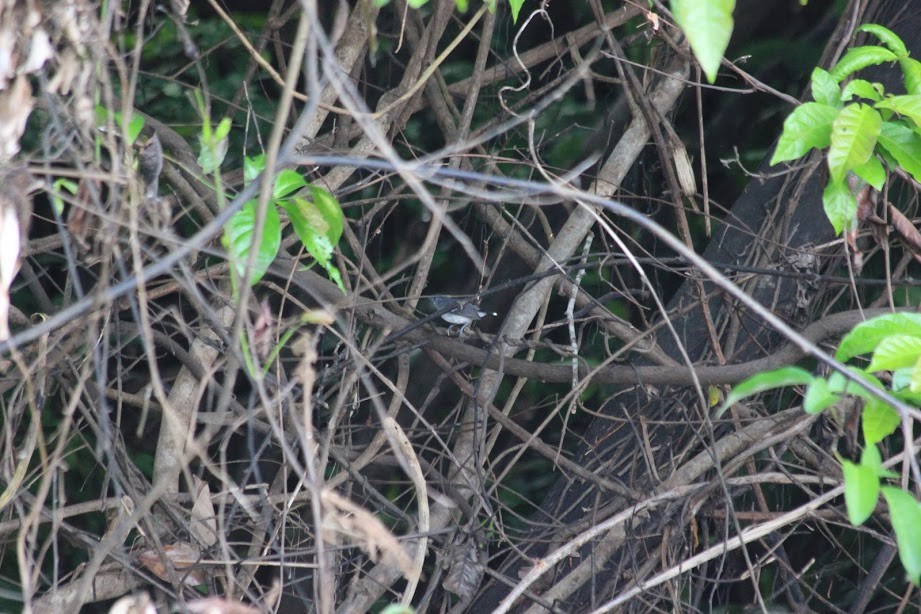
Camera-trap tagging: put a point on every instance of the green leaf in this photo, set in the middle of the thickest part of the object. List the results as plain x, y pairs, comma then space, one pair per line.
904, 145
840, 205
708, 26
915, 382
515, 5
853, 137
223, 129
239, 239
808, 126
135, 124
330, 211
825, 90
212, 153
252, 167
906, 521
837, 382
315, 229
908, 105
818, 396
872, 172
288, 181
888, 38
762, 382
867, 335
911, 71
62, 184
858, 58
861, 491
863, 89
871, 458
895, 352
878, 421
134, 128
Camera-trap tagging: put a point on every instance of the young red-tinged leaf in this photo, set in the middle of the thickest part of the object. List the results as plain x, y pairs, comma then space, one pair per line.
905, 512
878, 421
239, 240
866, 336
858, 58
840, 205
853, 137
808, 126
708, 26
861, 491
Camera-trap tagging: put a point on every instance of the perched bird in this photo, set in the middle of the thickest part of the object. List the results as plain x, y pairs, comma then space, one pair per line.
460, 312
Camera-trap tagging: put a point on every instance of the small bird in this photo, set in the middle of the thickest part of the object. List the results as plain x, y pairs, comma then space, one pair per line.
463, 313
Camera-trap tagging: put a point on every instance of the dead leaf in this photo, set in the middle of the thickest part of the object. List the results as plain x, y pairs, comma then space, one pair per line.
345, 522
15, 107
903, 226
204, 521
182, 556
264, 330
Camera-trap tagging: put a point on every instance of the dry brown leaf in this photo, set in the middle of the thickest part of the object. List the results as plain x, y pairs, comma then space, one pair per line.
344, 522
15, 106
906, 230
264, 330
466, 564
182, 556
204, 520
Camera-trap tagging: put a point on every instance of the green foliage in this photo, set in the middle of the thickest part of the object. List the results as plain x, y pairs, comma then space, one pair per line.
133, 126
708, 26
906, 521
858, 134
861, 490
894, 342
240, 240
62, 184
318, 222
213, 143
